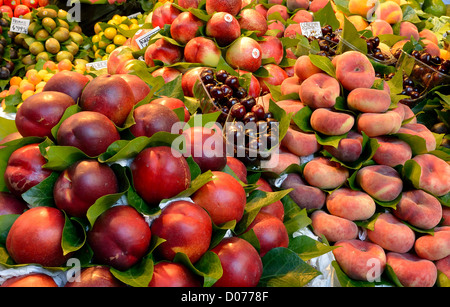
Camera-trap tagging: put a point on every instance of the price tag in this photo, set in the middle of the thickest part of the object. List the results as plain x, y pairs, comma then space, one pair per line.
311, 29
19, 25
143, 40
134, 15
98, 65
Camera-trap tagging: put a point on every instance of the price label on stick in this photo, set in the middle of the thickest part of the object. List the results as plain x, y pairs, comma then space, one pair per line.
311, 29
143, 40
19, 25
98, 65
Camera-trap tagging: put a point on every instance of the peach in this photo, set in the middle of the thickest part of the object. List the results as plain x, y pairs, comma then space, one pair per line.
277, 208
361, 8
333, 228
261, 9
244, 53
391, 234
164, 15
304, 195
278, 28
406, 112
189, 79
419, 208
331, 122
188, 3
369, 100
379, 27
443, 265
292, 5
292, 30
319, 91
316, 5
290, 85
185, 27
434, 247
434, 174
163, 51
302, 16
354, 70
429, 35
360, 260
350, 204
167, 73
431, 48
254, 89
358, 22
252, 20
349, 148
445, 216
325, 174
382, 182
228, 6
203, 51
278, 8
300, 143
389, 11
288, 105
277, 76
224, 27
304, 68
408, 29
411, 270
392, 151
378, 124
280, 160
272, 47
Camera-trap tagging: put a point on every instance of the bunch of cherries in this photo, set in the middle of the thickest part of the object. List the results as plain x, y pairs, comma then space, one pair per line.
248, 124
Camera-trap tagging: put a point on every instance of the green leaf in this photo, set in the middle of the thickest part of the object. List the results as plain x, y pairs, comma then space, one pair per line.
302, 119
326, 16
295, 218
345, 281
138, 275
255, 201
7, 126
6, 221
42, 193
351, 39
72, 239
61, 157
284, 268
308, 248
208, 266
283, 118
324, 63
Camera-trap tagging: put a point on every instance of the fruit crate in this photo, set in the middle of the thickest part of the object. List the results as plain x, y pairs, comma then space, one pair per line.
250, 132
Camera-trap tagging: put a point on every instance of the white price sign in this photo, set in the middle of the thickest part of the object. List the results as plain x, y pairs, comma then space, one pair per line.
143, 40
98, 65
134, 15
19, 25
311, 29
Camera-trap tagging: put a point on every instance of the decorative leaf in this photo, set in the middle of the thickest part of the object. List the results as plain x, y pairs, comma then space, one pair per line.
308, 248
138, 275
42, 193
284, 268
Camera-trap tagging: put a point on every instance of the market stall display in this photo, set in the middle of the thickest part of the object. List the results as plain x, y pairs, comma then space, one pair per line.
228, 143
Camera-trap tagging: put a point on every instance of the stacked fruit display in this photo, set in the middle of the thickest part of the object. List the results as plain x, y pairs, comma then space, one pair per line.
51, 36
108, 36
362, 171
19, 8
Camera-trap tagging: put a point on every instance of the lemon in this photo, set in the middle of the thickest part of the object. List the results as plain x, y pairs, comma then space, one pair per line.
97, 28
95, 38
110, 33
119, 40
124, 26
110, 48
